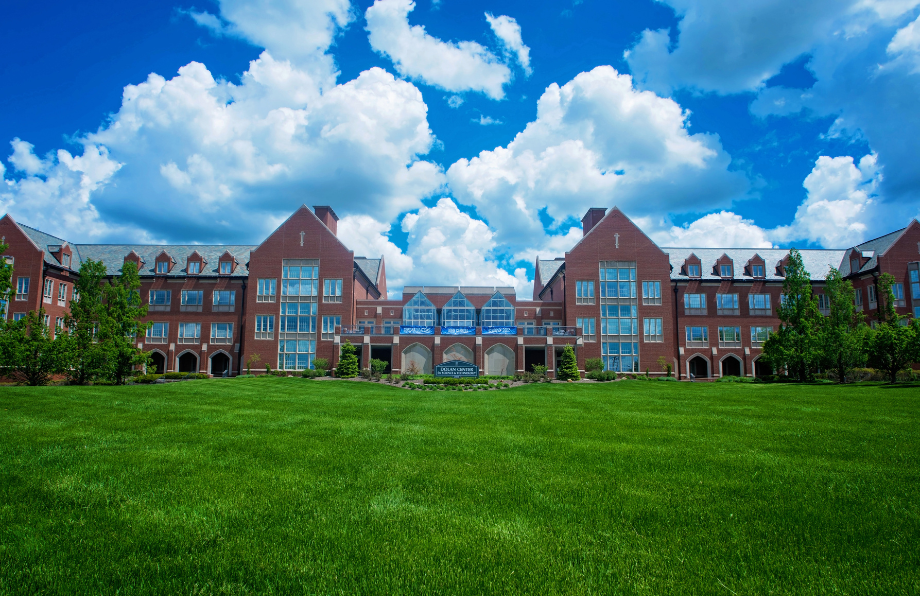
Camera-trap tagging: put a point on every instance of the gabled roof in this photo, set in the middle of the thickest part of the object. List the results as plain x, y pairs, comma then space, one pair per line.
49, 244
817, 262
876, 246
549, 268
369, 267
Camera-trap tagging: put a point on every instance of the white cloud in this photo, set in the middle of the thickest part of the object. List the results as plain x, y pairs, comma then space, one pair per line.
448, 247
455, 101
213, 161
209, 21
55, 194
716, 230
596, 141
730, 47
509, 32
368, 237
460, 66
486, 120
837, 208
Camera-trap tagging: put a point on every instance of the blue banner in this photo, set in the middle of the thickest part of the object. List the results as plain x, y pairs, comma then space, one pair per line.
499, 330
458, 331
404, 330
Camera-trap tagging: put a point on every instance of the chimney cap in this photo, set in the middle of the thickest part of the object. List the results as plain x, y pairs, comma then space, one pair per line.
593, 211
326, 208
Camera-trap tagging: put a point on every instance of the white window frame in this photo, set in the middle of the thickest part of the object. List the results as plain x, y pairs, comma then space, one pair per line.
224, 329
49, 290
265, 327
162, 267
221, 306
756, 342
722, 269
159, 306
65, 260
873, 295
758, 271
226, 267
733, 343
163, 337
588, 328
22, 288
651, 292
694, 270
329, 324
584, 291
62, 294
731, 309
188, 339
652, 330
766, 309
703, 342
699, 309
196, 265
332, 290
266, 289
897, 291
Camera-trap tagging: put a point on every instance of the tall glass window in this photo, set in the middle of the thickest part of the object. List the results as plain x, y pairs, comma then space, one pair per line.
497, 312
294, 354
419, 312
298, 317
458, 312
299, 281
619, 315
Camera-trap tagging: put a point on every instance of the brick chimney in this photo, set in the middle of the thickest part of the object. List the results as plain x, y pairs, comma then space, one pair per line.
327, 216
591, 219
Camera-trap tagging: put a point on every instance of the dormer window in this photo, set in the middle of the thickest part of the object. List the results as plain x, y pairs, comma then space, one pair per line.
725, 270
854, 266
226, 267
65, 260
162, 267
757, 271
194, 267
693, 270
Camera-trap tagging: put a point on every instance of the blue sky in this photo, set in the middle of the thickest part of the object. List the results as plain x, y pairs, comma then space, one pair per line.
463, 139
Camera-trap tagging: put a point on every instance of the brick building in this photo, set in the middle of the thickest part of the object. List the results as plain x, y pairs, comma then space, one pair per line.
301, 293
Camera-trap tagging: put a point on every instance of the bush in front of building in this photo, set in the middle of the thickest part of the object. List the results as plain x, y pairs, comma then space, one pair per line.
145, 379
602, 375
568, 370
181, 376
594, 364
348, 362
312, 374
321, 365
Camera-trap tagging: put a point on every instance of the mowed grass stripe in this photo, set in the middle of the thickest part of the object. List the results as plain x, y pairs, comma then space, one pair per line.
275, 485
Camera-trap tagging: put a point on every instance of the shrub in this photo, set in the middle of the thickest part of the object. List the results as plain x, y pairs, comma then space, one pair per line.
312, 374
568, 370
322, 365
539, 370
594, 364
246, 376
733, 379
377, 367
151, 378
602, 375
181, 376
666, 379
348, 362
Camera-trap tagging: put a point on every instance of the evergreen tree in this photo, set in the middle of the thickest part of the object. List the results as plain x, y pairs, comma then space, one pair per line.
568, 368
27, 352
893, 345
794, 347
348, 362
843, 335
88, 358
121, 324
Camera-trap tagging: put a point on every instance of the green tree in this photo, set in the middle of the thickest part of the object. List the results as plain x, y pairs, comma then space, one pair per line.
894, 344
795, 346
6, 284
348, 362
377, 367
121, 324
843, 334
568, 368
88, 358
28, 353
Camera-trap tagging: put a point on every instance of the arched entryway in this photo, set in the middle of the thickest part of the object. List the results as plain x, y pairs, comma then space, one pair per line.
698, 367
188, 362
458, 352
416, 359
157, 363
499, 360
220, 364
732, 366
761, 368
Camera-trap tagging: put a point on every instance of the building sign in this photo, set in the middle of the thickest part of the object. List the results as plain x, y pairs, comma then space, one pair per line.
458, 331
499, 330
412, 330
456, 368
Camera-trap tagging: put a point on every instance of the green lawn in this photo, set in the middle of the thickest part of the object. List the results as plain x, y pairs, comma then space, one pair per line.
275, 485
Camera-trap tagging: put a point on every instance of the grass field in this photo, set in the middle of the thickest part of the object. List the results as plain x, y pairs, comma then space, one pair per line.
286, 486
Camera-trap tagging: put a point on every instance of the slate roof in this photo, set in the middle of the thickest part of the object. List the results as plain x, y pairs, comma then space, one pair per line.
876, 246
49, 243
113, 255
370, 268
549, 268
817, 261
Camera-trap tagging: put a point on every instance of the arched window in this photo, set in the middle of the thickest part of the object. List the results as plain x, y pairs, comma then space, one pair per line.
458, 312
419, 312
497, 312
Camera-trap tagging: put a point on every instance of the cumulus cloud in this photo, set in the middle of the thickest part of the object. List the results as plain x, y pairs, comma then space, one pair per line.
716, 230
486, 120
730, 47
509, 32
55, 192
455, 101
460, 66
299, 32
449, 247
837, 207
596, 141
